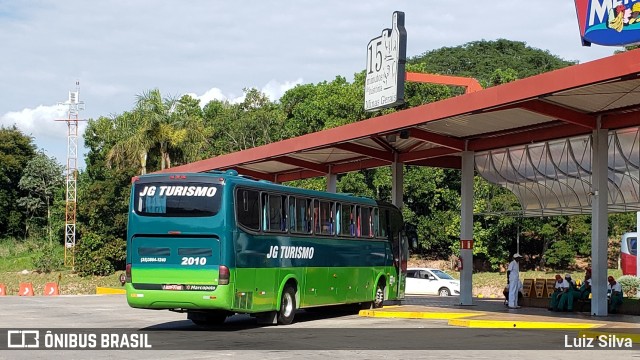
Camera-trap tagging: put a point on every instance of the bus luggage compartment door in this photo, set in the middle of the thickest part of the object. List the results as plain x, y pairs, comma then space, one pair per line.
162, 262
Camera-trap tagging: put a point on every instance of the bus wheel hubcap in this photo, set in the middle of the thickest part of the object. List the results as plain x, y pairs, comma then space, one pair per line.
379, 296
287, 305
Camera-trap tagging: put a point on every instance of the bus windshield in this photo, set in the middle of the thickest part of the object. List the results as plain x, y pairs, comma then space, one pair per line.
192, 199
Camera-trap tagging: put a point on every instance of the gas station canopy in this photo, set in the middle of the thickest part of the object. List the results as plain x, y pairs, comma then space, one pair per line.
554, 177
532, 136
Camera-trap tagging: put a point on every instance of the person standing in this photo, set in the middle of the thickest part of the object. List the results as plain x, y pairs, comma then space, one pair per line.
513, 280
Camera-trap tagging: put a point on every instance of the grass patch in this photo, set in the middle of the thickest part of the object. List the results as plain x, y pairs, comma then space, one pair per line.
16, 256
68, 282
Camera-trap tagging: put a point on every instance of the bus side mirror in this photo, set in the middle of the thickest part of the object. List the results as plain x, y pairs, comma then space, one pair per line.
412, 235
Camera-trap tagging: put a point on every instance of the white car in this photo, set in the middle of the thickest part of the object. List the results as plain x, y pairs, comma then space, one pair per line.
432, 282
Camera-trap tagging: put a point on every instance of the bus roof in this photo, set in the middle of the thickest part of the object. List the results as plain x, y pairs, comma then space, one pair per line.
232, 176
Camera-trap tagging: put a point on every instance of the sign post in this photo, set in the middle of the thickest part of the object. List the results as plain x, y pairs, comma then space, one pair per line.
386, 58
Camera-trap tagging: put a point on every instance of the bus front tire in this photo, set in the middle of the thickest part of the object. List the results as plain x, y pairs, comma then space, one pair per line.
287, 306
378, 299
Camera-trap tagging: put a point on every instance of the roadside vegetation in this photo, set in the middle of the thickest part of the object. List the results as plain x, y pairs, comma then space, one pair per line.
160, 131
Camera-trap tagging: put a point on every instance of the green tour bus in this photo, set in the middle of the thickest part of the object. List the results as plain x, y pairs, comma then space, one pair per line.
217, 243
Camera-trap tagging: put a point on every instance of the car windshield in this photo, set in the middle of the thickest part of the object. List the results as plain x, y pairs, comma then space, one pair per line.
442, 275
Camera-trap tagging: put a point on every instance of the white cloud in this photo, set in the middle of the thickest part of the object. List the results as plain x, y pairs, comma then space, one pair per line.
46, 125
273, 90
38, 122
209, 95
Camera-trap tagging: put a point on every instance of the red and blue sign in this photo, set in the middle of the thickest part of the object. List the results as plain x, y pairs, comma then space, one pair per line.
609, 22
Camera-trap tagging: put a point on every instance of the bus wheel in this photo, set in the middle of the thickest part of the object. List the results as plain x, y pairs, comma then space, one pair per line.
379, 298
208, 318
287, 306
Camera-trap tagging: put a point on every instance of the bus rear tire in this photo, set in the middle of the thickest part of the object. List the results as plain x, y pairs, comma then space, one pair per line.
287, 306
207, 318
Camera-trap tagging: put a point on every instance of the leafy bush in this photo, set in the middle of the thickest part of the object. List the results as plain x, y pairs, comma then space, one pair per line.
99, 255
560, 255
48, 258
630, 285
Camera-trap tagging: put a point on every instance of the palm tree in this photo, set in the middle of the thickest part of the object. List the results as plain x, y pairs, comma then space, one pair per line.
161, 123
130, 142
170, 125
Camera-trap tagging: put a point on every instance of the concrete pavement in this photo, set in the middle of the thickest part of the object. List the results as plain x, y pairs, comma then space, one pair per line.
490, 313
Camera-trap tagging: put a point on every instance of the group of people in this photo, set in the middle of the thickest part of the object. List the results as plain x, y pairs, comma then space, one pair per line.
566, 290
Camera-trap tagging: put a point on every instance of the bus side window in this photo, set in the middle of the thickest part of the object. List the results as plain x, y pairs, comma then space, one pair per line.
283, 212
293, 202
274, 209
365, 221
309, 217
339, 220
358, 220
376, 222
327, 226
316, 217
248, 208
265, 212
302, 216
384, 223
346, 220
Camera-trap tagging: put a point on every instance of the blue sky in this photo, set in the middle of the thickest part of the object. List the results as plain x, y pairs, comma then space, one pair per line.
214, 48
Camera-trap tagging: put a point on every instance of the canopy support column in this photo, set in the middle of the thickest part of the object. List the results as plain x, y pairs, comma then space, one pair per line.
599, 224
397, 177
466, 229
332, 179
637, 257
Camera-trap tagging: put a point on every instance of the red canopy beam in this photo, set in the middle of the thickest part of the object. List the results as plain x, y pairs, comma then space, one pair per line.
322, 169
366, 151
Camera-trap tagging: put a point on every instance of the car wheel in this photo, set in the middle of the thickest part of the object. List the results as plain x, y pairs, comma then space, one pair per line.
444, 292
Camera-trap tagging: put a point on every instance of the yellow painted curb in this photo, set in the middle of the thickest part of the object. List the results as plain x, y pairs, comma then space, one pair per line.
415, 314
504, 324
109, 291
635, 337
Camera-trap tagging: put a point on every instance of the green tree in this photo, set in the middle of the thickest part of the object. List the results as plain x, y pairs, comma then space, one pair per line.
253, 122
16, 149
480, 59
128, 139
171, 127
159, 123
41, 179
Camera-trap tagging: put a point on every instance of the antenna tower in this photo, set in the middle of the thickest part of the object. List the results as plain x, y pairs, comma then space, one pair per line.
74, 105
